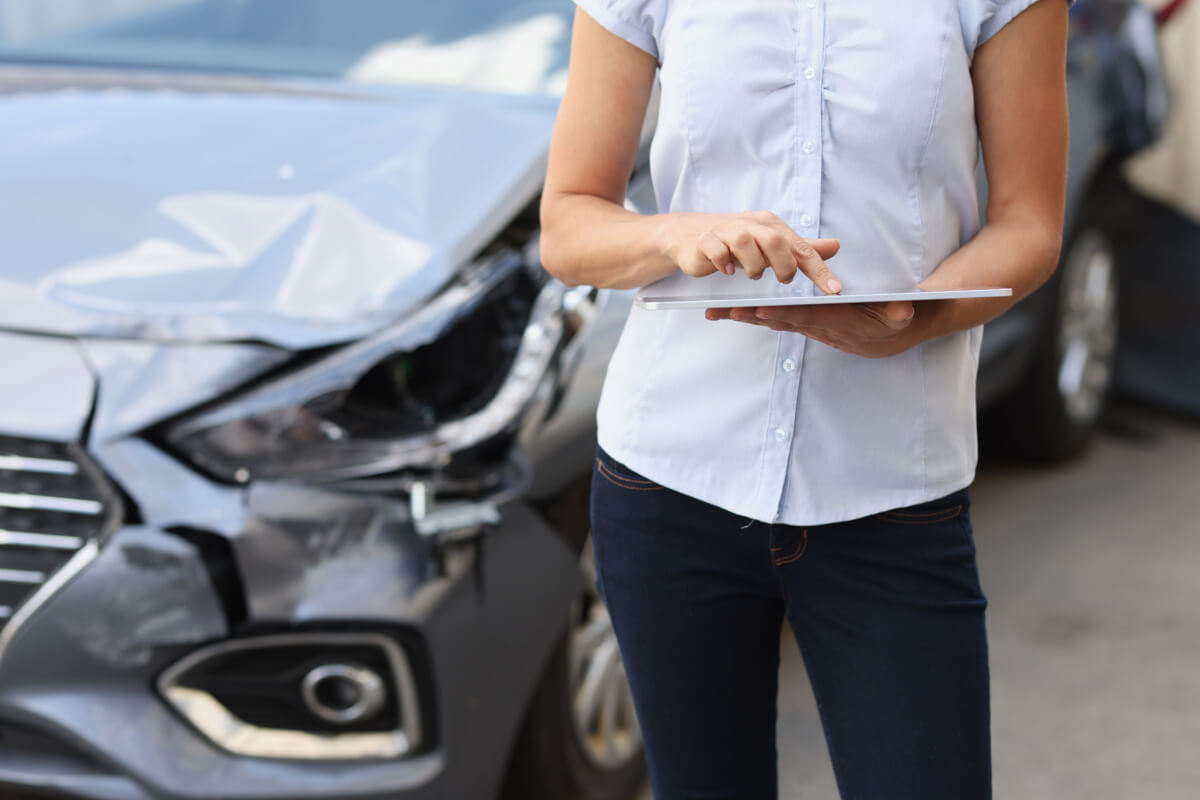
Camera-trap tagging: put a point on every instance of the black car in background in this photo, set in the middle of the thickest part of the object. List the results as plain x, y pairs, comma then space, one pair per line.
1047, 366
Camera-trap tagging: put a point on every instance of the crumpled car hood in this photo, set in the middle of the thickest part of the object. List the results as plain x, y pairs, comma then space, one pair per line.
186, 211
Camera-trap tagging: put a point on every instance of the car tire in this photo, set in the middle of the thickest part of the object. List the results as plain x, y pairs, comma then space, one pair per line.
1052, 415
553, 759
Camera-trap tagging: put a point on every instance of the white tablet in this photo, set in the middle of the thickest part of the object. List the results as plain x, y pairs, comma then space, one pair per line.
732, 291
660, 302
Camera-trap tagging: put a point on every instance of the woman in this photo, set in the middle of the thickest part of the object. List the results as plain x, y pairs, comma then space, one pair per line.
811, 462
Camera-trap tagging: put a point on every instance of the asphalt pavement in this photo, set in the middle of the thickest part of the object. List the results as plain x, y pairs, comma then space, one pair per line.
1091, 571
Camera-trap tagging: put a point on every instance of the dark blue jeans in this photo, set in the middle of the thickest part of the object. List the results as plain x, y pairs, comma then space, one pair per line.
887, 611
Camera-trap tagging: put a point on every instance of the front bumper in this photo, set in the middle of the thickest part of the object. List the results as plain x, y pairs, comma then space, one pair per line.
81, 671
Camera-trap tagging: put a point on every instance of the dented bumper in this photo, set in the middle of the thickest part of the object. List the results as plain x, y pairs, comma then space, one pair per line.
82, 671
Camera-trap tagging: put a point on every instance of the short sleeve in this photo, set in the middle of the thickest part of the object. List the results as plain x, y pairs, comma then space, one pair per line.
638, 22
998, 13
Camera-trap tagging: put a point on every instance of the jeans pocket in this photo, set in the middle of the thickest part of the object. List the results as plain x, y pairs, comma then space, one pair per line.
622, 476
951, 507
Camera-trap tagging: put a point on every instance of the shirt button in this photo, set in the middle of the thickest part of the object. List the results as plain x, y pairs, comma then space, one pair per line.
789, 365
797, 290
808, 146
810, 73
780, 435
811, 3
807, 220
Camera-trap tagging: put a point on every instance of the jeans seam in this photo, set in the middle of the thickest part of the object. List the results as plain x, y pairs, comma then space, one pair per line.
796, 554
779, 578
622, 482
622, 476
929, 518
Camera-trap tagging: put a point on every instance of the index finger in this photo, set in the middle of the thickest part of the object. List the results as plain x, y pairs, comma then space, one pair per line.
810, 262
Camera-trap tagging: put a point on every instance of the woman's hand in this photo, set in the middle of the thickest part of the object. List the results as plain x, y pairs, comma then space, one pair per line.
702, 244
871, 330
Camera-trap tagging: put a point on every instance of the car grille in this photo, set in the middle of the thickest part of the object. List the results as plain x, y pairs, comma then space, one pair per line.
53, 502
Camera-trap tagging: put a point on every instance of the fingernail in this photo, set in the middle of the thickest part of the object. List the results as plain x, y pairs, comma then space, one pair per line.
756, 277
835, 286
729, 269
761, 314
788, 280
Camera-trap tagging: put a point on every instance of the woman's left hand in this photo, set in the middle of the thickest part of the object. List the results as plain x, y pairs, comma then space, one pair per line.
871, 330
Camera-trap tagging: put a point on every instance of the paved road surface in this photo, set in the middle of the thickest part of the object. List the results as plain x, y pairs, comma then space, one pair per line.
1093, 575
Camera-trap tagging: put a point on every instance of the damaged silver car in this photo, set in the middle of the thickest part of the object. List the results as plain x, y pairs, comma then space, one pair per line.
295, 432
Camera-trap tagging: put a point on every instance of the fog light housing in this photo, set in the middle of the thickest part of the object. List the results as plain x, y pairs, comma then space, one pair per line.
324, 696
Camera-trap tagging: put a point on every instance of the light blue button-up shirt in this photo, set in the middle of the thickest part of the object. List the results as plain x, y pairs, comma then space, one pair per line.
853, 120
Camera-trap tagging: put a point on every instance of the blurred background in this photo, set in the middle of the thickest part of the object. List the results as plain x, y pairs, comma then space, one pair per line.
296, 434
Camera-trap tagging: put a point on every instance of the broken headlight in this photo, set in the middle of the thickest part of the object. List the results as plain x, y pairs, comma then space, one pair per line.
456, 374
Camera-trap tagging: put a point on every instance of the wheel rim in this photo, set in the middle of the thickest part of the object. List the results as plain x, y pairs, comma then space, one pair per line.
605, 722
1088, 327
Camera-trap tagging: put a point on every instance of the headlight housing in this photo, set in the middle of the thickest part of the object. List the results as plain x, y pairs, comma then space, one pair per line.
454, 375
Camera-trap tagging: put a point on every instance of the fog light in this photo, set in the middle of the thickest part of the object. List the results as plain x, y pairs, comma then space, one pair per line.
343, 694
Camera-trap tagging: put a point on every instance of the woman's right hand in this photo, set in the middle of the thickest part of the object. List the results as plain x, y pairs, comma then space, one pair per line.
701, 244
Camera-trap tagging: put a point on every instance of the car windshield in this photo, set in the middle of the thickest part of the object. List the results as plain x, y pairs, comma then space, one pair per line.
516, 46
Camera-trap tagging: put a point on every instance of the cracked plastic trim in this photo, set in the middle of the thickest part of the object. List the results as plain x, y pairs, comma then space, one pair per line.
343, 369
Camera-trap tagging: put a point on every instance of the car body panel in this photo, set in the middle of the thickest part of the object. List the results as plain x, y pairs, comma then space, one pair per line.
146, 382
47, 386
299, 219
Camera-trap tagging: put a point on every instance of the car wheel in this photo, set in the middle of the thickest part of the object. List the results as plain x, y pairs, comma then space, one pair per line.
1053, 415
581, 739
